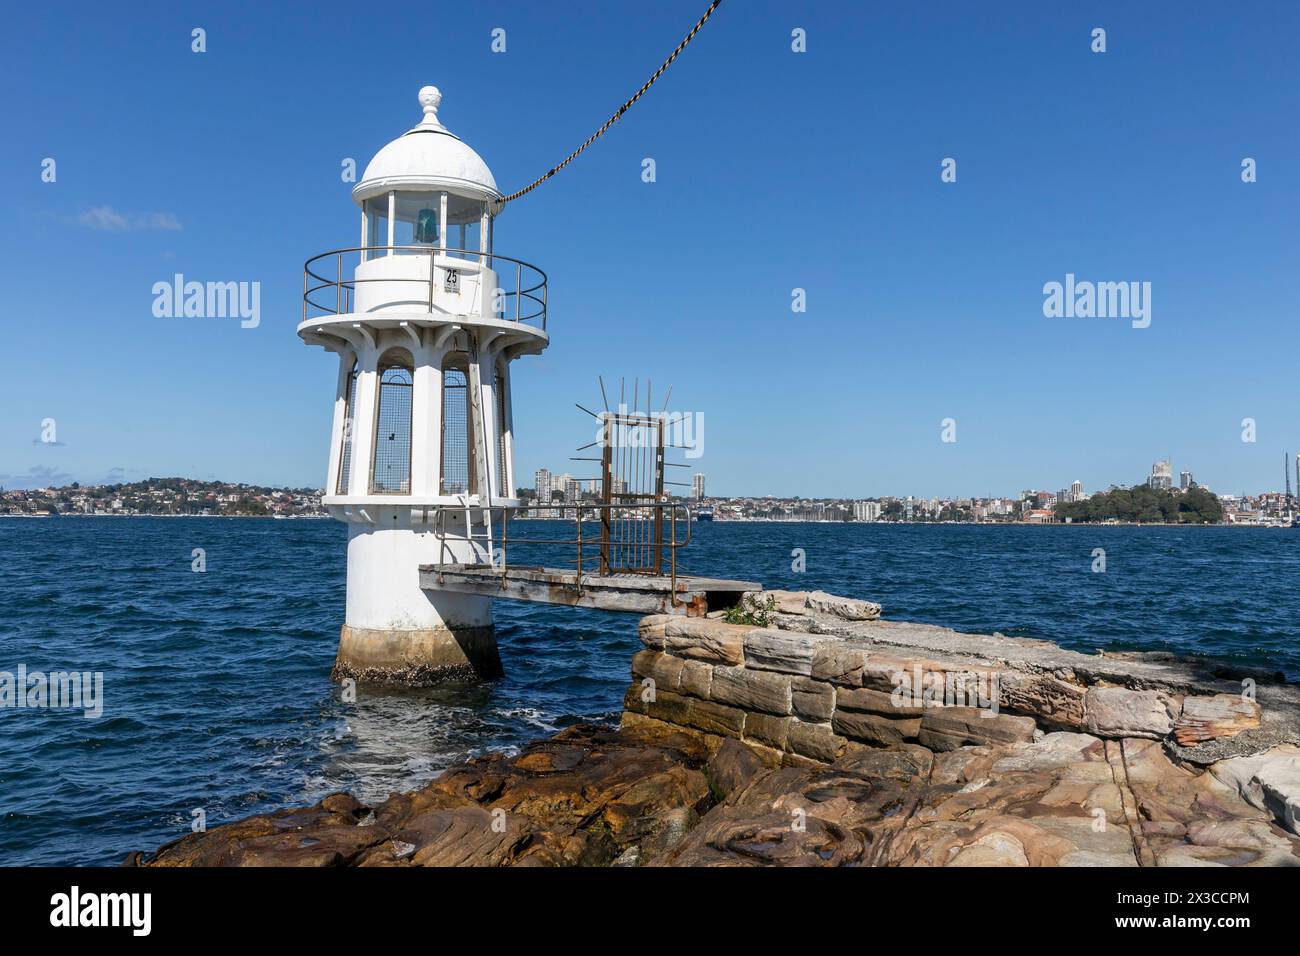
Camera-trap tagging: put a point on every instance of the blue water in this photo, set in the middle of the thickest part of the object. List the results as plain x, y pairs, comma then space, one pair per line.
216, 685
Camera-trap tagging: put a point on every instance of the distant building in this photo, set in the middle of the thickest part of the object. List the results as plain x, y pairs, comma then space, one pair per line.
1162, 476
1076, 491
543, 482
866, 510
1185, 480
697, 486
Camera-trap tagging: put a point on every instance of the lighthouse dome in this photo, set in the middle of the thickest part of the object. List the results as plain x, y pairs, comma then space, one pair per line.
428, 157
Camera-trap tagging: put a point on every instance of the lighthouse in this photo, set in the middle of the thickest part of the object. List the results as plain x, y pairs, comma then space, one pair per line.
425, 317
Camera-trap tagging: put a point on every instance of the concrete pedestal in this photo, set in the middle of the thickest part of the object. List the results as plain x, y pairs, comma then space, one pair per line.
417, 658
397, 633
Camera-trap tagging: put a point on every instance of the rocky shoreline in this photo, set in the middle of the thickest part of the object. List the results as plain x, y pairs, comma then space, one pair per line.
820, 735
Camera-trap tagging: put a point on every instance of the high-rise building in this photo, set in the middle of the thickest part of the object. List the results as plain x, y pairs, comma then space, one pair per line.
1162, 476
697, 486
1185, 480
1076, 491
543, 484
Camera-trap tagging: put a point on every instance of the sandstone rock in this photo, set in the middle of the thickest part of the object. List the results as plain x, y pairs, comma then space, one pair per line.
592, 796
653, 630
1269, 781
751, 690
466, 836
661, 705
695, 746
628, 858
947, 728
873, 728
767, 729
909, 764
737, 836
930, 682
664, 669
1052, 752
705, 640
848, 609
715, 718
813, 700
814, 741
838, 664
1052, 701
1222, 715
787, 602
1221, 828
696, 679
1120, 712
789, 652
959, 767
733, 766
658, 809
875, 702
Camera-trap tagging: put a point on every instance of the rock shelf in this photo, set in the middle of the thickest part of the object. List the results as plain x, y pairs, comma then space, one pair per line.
828, 736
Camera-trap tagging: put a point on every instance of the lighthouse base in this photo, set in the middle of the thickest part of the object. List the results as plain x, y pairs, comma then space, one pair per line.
417, 658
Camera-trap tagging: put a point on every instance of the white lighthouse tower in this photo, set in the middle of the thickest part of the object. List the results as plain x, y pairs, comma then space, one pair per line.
426, 318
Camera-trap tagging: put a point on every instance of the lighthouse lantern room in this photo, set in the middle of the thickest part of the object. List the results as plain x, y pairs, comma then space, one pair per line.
426, 318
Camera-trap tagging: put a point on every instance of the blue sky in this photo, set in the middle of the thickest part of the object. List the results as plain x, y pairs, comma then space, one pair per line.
775, 170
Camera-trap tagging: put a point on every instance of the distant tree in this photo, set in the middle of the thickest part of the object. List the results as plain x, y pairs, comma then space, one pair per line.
1145, 506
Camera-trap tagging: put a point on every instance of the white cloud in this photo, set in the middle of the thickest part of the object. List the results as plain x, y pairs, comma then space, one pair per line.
109, 219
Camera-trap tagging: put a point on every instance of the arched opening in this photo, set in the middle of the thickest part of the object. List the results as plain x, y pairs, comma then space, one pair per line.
457, 472
391, 474
349, 410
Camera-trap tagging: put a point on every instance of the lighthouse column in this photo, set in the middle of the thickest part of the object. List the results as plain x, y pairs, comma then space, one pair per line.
420, 462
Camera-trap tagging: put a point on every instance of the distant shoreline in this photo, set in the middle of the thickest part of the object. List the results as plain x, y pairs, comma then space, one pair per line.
978, 524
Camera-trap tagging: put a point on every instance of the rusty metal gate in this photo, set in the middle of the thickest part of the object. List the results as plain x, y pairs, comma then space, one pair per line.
632, 479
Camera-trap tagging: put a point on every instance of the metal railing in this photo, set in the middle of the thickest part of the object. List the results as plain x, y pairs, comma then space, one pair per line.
663, 515
528, 295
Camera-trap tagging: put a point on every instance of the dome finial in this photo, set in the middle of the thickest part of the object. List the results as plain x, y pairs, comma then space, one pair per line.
430, 98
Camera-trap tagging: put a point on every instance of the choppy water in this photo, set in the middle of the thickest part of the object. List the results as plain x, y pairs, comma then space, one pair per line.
216, 692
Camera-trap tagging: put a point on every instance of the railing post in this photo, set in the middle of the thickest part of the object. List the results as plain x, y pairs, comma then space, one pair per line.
579, 513
304, 293
431, 274
505, 534
672, 552
338, 285
519, 285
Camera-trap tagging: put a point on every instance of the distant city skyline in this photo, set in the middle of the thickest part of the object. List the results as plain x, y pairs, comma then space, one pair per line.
798, 268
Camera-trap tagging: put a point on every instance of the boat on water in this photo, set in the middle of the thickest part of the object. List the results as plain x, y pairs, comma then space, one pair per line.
704, 514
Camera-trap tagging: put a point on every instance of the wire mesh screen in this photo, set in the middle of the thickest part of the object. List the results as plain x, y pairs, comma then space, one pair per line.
503, 479
455, 432
345, 460
392, 472
632, 474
